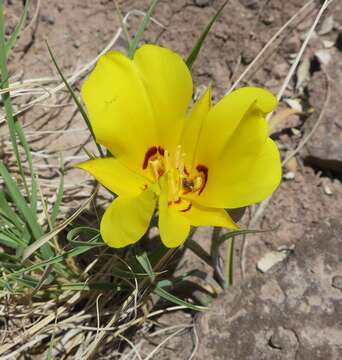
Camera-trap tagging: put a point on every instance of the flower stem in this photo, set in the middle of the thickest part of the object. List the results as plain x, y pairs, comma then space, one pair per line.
229, 274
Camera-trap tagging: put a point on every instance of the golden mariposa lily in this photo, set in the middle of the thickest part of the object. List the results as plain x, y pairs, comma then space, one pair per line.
189, 164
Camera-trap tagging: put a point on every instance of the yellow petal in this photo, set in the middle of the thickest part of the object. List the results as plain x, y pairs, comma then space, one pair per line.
126, 219
204, 216
193, 127
119, 109
224, 118
243, 180
115, 176
168, 84
173, 225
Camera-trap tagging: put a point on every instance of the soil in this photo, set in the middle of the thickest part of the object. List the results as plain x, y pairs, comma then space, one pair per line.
78, 30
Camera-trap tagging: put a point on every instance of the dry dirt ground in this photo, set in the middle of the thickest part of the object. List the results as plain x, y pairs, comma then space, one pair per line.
78, 30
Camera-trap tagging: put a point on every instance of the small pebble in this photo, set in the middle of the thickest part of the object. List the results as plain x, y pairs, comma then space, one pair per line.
289, 175
327, 190
270, 259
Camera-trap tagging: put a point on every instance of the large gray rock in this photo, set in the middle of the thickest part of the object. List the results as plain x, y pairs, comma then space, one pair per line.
324, 149
291, 313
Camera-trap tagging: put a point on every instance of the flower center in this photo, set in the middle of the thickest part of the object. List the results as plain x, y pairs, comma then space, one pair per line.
159, 161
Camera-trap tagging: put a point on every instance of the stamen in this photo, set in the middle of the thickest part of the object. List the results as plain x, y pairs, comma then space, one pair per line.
178, 156
166, 161
155, 168
198, 182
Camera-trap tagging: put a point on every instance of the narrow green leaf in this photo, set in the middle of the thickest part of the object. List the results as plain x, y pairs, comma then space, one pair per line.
88, 287
123, 24
75, 98
59, 258
11, 41
229, 268
6, 98
7, 212
147, 18
43, 240
144, 261
7, 240
195, 51
24, 143
20, 202
74, 233
57, 204
234, 233
169, 297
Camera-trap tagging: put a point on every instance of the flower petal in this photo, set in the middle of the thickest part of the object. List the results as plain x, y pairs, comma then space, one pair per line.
199, 215
126, 219
224, 118
115, 176
193, 126
173, 225
168, 84
243, 180
119, 109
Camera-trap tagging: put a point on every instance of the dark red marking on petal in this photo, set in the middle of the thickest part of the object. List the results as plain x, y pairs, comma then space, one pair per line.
188, 208
204, 171
186, 171
178, 201
161, 151
149, 153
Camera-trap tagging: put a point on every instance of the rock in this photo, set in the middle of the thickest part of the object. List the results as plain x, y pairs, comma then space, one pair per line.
293, 313
269, 260
324, 149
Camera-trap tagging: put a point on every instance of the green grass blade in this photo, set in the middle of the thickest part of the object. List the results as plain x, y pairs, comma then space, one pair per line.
11, 41
169, 297
9, 241
147, 18
229, 267
7, 98
57, 204
43, 240
8, 213
24, 143
145, 263
59, 258
18, 199
195, 51
75, 98
123, 25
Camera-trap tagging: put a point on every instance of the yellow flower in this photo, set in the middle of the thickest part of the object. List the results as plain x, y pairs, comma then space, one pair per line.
191, 165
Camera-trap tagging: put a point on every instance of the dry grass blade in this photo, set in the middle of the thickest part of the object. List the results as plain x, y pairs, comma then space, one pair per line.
268, 44
314, 128
39, 325
162, 343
